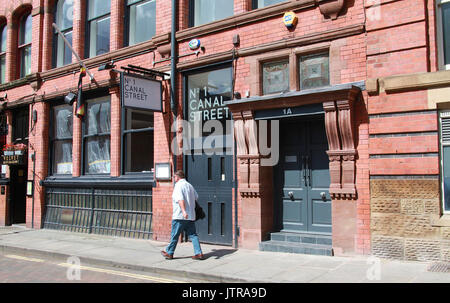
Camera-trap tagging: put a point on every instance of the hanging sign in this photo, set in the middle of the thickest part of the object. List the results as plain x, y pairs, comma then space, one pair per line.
12, 159
141, 93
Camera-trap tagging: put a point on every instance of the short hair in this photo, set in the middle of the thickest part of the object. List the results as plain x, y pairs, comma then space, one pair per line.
180, 174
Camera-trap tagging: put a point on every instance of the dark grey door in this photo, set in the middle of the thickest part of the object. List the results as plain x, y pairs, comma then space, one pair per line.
302, 177
212, 177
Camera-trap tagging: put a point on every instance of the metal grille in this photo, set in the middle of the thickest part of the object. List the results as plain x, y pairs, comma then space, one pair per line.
445, 127
125, 213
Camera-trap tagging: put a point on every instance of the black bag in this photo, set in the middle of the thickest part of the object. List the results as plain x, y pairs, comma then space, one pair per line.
199, 213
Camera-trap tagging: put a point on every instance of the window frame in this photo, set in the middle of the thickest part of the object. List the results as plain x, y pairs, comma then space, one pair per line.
273, 60
124, 133
52, 139
87, 41
191, 14
56, 40
441, 159
298, 67
127, 26
84, 137
255, 4
3, 27
440, 35
22, 47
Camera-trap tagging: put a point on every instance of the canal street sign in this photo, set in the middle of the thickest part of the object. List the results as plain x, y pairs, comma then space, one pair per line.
141, 93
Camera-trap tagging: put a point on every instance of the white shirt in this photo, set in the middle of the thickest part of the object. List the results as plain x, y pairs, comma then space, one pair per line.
183, 190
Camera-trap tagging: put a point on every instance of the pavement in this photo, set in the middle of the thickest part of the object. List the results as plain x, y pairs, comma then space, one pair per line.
222, 264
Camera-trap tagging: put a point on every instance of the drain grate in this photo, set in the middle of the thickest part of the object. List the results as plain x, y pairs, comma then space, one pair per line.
439, 267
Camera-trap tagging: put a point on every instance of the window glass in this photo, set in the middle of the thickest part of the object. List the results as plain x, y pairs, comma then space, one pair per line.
98, 157
3, 39
142, 26
206, 11
314, 71
138, 139
64, 16
64, 20
62, 139
446, 31
207, 93
275, 77
3, 53
97, 137
98, 8
25, 62
2, 68
25, 30
263, 3
99, 43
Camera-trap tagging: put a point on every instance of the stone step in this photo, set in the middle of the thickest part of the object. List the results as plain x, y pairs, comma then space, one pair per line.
296, 248
305, 238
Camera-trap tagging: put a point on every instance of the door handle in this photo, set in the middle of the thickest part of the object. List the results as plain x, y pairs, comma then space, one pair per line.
323, 195
304, 169
291, 195
308, 171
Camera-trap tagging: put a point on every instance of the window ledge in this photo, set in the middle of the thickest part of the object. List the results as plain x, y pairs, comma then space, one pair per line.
443, 221
243, 18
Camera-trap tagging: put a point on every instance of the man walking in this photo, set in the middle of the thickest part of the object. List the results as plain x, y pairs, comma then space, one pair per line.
183, 217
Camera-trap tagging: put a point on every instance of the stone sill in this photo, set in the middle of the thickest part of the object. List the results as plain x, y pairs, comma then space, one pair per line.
408, 82
443, 221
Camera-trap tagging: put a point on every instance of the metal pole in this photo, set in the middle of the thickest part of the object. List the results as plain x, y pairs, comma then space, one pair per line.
73, 52
173, 75
32, 198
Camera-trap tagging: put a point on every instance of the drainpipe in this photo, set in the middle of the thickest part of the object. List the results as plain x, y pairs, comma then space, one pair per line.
173, 75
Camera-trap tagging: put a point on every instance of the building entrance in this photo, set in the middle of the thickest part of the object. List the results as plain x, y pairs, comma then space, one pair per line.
18, 173
302, 177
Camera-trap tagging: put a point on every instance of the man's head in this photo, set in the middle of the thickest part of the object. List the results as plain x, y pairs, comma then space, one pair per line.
179, 174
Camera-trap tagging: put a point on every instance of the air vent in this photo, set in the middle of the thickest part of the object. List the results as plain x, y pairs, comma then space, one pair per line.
445, 127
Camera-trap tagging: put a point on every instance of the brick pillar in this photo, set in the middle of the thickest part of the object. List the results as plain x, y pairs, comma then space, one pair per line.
241, 6
76, 145
39, 147
11, 51
117, 24
115, 131
4, 203
79, 13
36, 42
47, 36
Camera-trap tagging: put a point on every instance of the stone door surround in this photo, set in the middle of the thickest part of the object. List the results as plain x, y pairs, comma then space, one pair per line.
338, 103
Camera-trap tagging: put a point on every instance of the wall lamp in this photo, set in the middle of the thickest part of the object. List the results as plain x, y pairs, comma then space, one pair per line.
109, 65
4, 97
70, 98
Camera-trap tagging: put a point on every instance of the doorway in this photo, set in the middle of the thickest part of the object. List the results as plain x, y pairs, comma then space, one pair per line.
302, 178
19, 173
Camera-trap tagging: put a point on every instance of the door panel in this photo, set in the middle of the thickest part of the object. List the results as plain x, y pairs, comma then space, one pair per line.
211, 177
303, 177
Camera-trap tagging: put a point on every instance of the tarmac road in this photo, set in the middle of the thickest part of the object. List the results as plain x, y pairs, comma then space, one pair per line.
15, 268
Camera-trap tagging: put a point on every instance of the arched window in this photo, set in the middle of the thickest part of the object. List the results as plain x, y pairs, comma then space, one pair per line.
25, 45
3, 30
64, 20
141, 21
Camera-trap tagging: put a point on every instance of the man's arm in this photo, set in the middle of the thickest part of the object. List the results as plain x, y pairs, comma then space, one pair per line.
183, 208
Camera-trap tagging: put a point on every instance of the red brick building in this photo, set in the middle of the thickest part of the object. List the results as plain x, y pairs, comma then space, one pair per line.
338, 138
